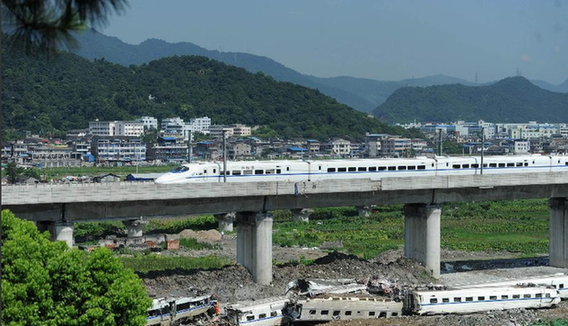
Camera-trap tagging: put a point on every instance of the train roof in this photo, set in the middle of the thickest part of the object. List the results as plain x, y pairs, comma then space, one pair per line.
247, 305
483, 290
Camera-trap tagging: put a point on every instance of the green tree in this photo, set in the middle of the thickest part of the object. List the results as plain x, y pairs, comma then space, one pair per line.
46, 283
13, 172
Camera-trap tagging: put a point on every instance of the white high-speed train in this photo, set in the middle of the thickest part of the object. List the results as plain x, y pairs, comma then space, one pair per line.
252, 171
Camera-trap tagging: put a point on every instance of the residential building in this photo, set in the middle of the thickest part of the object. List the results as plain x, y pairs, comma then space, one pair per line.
338, 146
118, 149
168, 149
149, 122
216, 131
128, 128
101, 128
373, 145
77, 133
239, 150
53, 157
313, 146
240, 130
200, 124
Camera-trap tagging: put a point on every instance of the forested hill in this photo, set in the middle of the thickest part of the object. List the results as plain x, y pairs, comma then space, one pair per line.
51, 96
513, 99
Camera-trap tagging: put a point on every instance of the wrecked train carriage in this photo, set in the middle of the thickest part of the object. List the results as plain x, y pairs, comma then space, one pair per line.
165, 312
266, 312
346, 307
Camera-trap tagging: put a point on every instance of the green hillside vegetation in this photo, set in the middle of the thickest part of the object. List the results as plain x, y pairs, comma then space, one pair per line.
513, 99
359, 93
51, 96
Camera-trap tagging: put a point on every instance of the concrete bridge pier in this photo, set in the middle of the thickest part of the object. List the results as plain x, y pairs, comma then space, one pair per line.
254, 244
302, 215
558, 232
134, 228
422, 235
225, 221
59, 231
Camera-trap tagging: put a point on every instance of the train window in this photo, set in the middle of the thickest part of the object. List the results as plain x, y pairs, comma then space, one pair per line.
258, 171
485, 165
262, 316
538, 295
288, 168
422, 167
352, 169
319, 167
561, 286
205, 171
362, 169
447, 164
475, 166
547, 295
371, 313
348, 313
456, 299
312, 312
492, 165
480, 298
325, 312
493, 297
465, 166
214, 170
341, 169
432, 164
516, 296
456, 166
433, 300
533, 162
330, 170
247, 171
278, 171
411, 167
153, 313
510, 164
336, 312
401, 168
383, 314
392, 168
336, 299
519, 163
237, 172
527, 164
446, 300
274, 313
372, 168
182, 306
251, 317
526, 296
504, 297
501, 165
382, 168
269, 171
394, 314
469, 299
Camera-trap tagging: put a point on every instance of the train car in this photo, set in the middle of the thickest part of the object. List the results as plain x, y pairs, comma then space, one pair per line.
472, 300
374, 169
266, 312
558, 281
347, 307
165, 312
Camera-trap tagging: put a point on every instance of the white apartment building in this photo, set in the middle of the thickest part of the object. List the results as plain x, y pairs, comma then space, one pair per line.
129, 128
101, 128
240, 130
338, 146
216, 131
149, 122
201, 125
170, 122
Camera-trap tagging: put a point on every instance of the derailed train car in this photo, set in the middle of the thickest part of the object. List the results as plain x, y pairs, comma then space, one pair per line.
165, 312
265, 312
330, 307
472, 300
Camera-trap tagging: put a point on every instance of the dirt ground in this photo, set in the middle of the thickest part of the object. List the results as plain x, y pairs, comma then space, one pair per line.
234, 283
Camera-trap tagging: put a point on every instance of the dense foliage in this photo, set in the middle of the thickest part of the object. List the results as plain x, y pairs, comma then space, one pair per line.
513, 99
51, 96
45, 283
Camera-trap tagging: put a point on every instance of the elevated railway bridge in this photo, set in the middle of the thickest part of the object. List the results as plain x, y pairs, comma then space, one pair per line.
57, 206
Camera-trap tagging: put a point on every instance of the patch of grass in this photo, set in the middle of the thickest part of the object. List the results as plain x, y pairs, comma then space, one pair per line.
191, 243
516, 226
153, 262
205, 222
98, 229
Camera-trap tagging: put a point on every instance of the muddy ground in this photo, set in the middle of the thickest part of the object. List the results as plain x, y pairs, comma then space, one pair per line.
234, 283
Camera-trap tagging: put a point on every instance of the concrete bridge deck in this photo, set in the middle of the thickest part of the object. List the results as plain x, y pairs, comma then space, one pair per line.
60, 205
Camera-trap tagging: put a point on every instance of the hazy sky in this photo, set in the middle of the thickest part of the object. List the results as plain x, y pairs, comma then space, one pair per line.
385, 40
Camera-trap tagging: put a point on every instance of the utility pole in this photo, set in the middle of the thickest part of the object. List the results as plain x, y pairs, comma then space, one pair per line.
482, 147
224, 156
441, 144
190, 146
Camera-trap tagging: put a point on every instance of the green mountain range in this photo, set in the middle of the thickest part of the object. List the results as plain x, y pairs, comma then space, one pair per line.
359, 93
513, 99
54, 95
